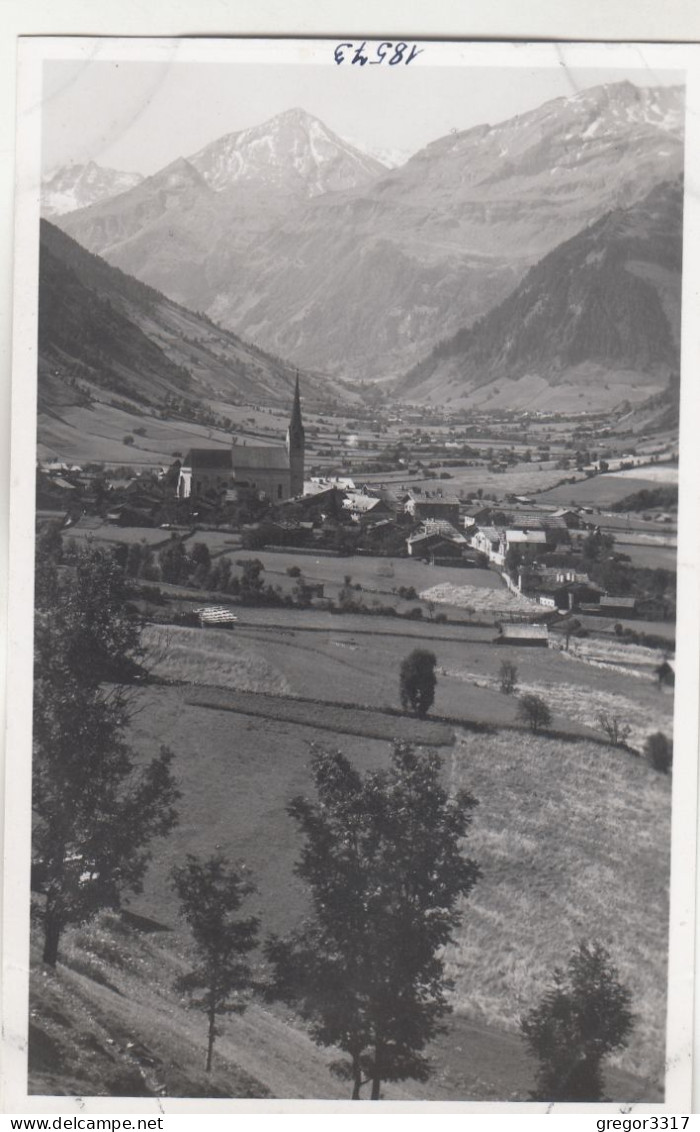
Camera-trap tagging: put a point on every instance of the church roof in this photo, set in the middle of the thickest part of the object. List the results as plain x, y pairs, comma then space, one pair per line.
219, 458
258, 456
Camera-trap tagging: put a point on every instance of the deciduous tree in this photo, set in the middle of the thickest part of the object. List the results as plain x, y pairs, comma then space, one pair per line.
417, 681
580, 1020
211, 893
508, 676
383, 861
95, 810
535, 712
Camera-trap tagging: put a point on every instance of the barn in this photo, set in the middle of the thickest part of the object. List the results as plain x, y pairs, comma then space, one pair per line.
528, 636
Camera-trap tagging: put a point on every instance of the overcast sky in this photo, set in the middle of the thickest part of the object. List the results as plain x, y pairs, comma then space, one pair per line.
139, 116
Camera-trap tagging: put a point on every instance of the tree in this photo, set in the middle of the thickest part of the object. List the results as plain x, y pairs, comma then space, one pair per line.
616, 732
659, 751
251, 581
508, 675
174, 563
382, 859
535, 712
417, 681
200, 563
211, 893
95, 812
582, 1018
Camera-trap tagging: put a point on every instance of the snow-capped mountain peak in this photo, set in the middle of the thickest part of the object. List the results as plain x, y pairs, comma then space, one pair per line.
77, 186
294, 150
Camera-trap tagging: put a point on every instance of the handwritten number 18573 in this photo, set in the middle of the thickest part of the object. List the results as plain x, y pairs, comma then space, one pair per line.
390, 53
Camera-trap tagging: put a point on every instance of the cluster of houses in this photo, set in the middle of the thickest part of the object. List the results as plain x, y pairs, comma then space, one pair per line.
440, 529
449, 533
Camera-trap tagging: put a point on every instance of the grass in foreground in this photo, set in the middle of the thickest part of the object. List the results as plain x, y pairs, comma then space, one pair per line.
573, 840
574, 843
107, 1022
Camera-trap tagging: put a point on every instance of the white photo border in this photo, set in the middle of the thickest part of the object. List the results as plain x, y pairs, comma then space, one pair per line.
33, 52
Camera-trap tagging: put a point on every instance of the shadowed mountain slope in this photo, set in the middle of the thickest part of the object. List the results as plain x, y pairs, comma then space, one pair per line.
604, 305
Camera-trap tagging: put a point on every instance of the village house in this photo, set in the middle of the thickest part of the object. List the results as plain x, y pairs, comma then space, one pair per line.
440, 544
475, 515
491, 542
616, 607
362, 505
432, 505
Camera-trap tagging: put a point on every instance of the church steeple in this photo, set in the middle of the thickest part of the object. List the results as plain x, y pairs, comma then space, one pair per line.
295, 444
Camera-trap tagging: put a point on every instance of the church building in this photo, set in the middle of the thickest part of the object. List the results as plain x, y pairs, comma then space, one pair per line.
274, 472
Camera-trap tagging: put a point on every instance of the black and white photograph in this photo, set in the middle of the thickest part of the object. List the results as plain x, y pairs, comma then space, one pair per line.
349, 428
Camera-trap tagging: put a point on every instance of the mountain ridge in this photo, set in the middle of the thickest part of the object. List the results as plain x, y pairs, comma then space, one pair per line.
74, 186
607, 299
102, 329
359, 282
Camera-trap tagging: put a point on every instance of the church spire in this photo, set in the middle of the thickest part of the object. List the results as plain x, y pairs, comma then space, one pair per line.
295, 444
296, 426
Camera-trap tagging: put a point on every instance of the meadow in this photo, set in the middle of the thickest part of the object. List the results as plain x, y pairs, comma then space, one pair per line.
608, 488
96, 433
574, 844
552, 835
361, 667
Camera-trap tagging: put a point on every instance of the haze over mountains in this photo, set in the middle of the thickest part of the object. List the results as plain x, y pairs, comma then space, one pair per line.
319, 253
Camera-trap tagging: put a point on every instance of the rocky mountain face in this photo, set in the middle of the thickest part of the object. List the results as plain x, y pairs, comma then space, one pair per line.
293, 152
100, 329
358, 275
600, 312
78, 186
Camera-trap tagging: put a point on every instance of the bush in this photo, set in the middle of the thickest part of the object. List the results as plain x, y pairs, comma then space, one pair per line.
414, 614
128, 440
535, 712
659, 752
294, 571
408, 593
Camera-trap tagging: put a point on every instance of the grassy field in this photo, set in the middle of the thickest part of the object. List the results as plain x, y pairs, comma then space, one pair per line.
574, 844
606, 489
94, 530
97, 433
552, 834
649, 555
362, 667
341, 719
200, 657
375, 575
110, 1022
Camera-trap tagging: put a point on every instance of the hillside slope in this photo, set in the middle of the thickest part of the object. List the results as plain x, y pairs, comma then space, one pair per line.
603, 307
102, 332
